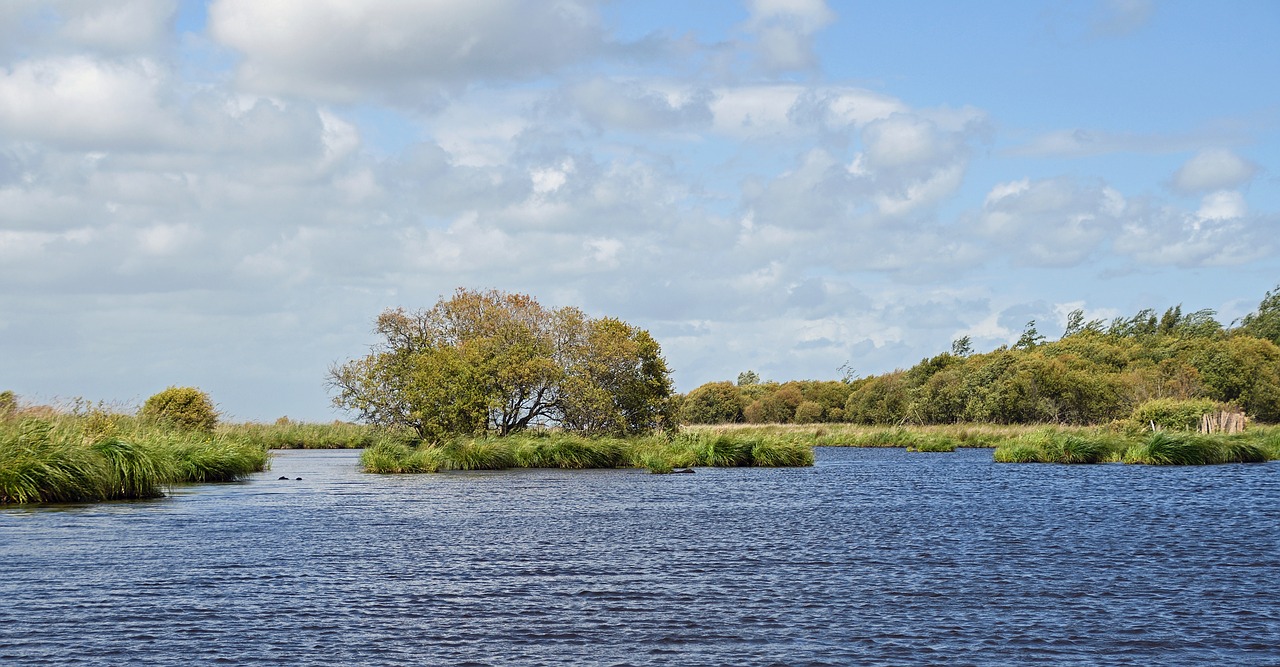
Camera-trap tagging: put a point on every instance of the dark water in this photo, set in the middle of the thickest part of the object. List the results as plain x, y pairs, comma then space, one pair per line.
872, 557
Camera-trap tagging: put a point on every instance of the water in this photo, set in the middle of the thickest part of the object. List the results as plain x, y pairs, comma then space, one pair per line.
871, 557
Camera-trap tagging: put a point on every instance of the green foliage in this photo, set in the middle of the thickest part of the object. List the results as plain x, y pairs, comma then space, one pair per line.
492, 361
712, 403
808, 412
185, 408
1264, 323
1029, 338
1172, 414
1097, 373
775, 407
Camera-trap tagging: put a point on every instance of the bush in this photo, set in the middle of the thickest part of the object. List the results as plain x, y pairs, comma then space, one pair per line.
809, 412
1173, 414
185, 408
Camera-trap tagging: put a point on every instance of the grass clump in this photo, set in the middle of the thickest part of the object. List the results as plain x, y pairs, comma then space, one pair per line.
101, 456
553, 449
38, 465
1163, 448
1049, 445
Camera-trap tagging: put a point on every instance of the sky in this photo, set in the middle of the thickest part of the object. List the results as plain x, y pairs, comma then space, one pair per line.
226, 193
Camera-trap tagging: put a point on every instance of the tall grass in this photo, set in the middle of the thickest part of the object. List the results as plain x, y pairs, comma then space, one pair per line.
1162, 448
99, 456
1020, 443
658, 453
289, 434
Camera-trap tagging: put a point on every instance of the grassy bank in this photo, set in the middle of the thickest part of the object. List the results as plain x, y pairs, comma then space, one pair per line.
943, 438
98, 456
1159, 448
289, 434
658, 453
1034, 443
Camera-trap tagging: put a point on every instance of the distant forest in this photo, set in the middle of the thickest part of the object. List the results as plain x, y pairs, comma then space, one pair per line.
1096, 373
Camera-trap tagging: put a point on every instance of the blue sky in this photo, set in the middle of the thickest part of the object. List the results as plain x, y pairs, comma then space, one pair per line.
225, 193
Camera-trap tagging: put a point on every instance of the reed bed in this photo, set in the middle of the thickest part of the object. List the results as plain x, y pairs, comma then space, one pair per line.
658, 453
1030, 443
289, 434
94, 457
1153, 448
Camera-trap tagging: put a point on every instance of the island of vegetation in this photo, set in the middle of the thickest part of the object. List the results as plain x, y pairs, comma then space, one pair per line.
494, 380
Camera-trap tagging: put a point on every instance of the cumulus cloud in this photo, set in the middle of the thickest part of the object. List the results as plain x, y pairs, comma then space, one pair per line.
784, 29
338, 50
1053, 222
1213, 169
1220, 233
81, 102
122, 27
635, 106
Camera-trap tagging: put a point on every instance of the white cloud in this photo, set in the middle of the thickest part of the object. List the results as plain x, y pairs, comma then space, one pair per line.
396, 50
1220, 233
1222, 205
122, 26
36, 28
81, 102
784, 31
1054, 222
636, 106
1213, 169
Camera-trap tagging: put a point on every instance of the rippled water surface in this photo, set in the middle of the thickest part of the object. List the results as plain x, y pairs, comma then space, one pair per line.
870, 557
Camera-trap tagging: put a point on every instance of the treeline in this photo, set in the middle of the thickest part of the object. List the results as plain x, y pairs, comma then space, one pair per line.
1097, 372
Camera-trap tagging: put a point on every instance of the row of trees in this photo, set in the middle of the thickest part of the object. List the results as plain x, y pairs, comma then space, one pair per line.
497, 362
1096, 372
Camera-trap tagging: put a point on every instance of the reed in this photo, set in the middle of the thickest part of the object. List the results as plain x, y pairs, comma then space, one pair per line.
289, 434
37, 465
565, 450
1164, 448
133, 470
99, 456
552, 449
219, 459
1051, 445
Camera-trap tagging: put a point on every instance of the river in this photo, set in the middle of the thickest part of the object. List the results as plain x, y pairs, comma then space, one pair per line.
873, 556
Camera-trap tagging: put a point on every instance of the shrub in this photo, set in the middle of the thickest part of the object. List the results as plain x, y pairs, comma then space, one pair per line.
808, 412
1173, 414
186, 408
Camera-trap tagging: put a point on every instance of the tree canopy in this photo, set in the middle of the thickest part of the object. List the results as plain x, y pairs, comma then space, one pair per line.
1097, 372
493, 361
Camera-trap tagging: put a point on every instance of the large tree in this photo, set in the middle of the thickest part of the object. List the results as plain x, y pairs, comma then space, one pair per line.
493, 361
